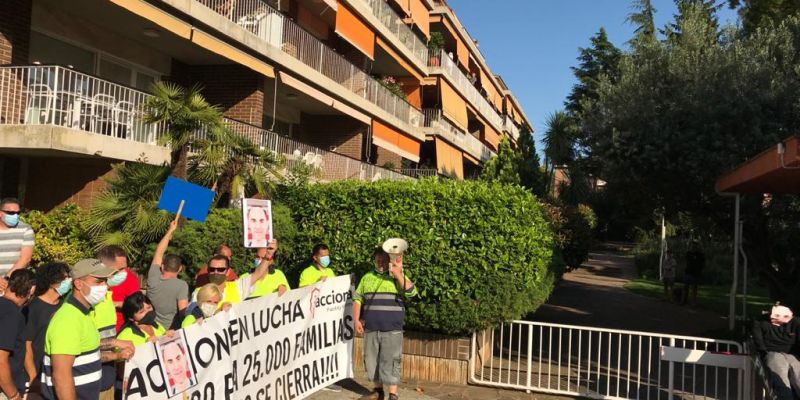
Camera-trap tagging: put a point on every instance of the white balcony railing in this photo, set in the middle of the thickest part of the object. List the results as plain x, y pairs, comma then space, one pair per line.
277, 30
52, 95
463, 84
465, 141
391, 20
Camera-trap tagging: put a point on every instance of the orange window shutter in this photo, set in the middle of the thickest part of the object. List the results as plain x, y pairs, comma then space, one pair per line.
352, 29
404, 5
308, 20
453, 106
390, 139
491, 137
421, 16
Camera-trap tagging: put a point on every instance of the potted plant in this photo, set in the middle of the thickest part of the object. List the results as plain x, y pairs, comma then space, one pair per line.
435, 45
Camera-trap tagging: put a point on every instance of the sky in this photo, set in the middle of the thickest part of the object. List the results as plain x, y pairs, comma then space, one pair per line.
533, 43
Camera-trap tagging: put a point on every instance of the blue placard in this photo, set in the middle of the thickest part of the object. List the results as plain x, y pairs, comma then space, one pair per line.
197, 199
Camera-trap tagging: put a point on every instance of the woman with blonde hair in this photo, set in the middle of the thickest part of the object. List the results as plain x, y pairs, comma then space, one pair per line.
208, 303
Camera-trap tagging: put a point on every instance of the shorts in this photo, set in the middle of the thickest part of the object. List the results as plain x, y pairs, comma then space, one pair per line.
382, 351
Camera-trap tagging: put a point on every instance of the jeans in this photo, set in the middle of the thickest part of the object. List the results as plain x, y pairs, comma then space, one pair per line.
785, 371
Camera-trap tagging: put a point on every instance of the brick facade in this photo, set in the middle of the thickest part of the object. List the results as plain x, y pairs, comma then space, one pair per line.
339, 133
237, 89
15, 31
54, 181
383, 156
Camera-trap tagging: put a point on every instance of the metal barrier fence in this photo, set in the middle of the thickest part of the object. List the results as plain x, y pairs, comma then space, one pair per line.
391, 20
53, 95
600, 363
275, 29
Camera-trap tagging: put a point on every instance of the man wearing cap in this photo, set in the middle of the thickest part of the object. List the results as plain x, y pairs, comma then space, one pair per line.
73, 348
776, 341
379, 314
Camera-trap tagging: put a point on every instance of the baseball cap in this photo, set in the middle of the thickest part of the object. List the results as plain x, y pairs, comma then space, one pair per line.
93, 267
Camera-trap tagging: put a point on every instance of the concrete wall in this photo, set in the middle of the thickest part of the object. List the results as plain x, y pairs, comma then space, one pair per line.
343, 133
237, 89
15, 31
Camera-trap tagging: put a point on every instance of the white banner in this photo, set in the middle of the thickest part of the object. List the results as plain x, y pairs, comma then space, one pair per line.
270, 348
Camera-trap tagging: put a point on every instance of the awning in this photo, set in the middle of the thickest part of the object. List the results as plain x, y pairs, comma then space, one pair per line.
344, 108
462, 52
471, 159
491, 136
290, 81
491, 92
403, 4
215, 45
352, 29
764, 172
449, 160
394, 141
453, 106
413, 91
153, 14
421, 16
400, 60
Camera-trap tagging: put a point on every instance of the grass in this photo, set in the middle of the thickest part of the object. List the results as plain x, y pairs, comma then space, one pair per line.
712, 298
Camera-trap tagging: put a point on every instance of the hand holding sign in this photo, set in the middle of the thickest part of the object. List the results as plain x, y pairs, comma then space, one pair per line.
186, 199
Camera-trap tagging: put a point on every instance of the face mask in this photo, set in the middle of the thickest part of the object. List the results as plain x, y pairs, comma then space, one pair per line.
118, 278
96, 294
149, 318
257, 262
64, 287
216, 279
208, 309
325, 261
11, 220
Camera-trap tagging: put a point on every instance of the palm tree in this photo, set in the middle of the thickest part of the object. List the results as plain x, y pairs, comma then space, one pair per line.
185, 112
559, 142
230, 162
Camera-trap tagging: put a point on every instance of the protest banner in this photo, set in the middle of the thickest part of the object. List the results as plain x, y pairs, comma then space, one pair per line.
257, 222
185, 198
268, 348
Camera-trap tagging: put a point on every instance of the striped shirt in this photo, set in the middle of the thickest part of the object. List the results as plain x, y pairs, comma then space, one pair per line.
12, 240
382, 303
72, 332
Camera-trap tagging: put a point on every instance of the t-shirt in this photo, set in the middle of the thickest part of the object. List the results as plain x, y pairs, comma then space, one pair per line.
38, 314
268, 284
12, 241
118, 293
233, 292
165, 294
312, 275
138, 336
13, 323
73, 332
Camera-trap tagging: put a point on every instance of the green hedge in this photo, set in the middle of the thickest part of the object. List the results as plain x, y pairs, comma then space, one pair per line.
480, 253
60, 235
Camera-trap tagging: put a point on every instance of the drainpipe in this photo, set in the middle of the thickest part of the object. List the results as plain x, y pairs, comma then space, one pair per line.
736, 243
744, 272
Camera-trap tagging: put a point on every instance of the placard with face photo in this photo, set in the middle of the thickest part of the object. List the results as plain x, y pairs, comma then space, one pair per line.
173, 355
257, 222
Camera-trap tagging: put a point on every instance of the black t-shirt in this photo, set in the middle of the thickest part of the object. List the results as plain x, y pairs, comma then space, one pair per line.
12, 323
38, 314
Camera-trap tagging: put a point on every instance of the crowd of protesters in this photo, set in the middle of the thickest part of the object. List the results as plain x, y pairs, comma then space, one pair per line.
67, 329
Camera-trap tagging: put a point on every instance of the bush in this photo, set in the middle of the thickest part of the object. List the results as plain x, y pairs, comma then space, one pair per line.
480, 253
579, 227
60, 235
195, 241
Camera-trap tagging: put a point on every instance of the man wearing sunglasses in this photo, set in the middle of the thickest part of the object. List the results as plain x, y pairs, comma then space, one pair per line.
16, 240
242, 288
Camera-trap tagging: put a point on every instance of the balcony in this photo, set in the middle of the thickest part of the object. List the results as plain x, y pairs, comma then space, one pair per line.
449, 68
389, 18
510, 127
466, 142
62, 97
276, 30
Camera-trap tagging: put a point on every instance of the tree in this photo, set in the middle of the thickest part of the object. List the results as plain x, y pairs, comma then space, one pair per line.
599, 60
185, 113
530, 171
643, 19
559, 143
762, 13
504, 167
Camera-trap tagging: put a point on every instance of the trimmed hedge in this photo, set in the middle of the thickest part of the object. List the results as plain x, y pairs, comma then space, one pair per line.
480, 253
60, 235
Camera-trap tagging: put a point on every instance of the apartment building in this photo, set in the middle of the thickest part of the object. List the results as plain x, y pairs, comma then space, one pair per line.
349, 85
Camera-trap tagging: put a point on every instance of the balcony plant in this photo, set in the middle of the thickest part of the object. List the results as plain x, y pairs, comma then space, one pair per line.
435, 46
391, 83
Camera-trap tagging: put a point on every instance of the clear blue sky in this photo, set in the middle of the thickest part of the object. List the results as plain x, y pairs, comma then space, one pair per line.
533, 43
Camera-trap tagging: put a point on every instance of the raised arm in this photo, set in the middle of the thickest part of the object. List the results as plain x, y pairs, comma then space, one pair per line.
266, 262
158, 256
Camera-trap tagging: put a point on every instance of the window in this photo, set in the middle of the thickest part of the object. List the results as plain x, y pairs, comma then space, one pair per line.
115, 72
47, 50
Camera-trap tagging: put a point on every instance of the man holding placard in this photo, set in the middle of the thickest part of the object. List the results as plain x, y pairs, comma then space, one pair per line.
244, 287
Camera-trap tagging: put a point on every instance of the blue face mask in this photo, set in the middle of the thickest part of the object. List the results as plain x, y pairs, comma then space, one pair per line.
325, 261
64, 287
117, 278
11, 220
257, 262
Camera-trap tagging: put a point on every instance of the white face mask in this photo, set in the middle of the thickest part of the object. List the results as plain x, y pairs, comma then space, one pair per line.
208, 309
96, 294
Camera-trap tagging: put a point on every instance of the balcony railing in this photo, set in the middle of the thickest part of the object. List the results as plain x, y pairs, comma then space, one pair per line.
463, 84
465, 141
277, 30
510, 127
391, 20
52, 95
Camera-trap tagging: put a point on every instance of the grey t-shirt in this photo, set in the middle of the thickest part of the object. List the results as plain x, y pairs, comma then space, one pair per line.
165, 294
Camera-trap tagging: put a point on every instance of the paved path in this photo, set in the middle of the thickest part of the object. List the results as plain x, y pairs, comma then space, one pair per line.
594, 296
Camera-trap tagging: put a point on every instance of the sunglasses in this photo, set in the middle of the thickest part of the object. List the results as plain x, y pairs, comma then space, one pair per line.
217, 270
11, 212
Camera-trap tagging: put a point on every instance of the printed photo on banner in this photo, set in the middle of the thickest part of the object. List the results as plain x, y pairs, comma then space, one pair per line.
173, 356
257, 220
